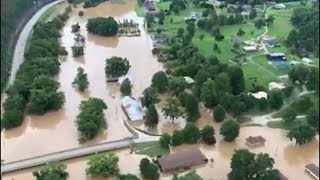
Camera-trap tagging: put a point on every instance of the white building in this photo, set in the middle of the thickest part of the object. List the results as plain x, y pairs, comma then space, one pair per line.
132, 108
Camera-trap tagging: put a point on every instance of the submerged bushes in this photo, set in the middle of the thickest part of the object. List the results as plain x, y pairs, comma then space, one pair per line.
34, 89
103, 26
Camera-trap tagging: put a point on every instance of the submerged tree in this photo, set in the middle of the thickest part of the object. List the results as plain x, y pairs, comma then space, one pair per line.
125, 87
77, 50
103, 26
104, 165
230, 130
152, 116
116, 66
149, 97
302, 134
81, 81
91, 118
52, 171
247, 165
160, 81
171, 109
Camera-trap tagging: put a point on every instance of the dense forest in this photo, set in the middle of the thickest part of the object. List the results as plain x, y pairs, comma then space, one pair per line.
11, 12
305, 36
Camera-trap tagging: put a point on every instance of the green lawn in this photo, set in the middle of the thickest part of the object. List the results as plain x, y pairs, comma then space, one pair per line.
251, 71
281, 25
287, 126
263, 61
47, 15
173, 22
151, 149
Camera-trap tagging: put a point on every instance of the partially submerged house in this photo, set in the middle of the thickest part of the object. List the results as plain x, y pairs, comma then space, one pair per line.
182, 160
255, 141
132, 108
313, 170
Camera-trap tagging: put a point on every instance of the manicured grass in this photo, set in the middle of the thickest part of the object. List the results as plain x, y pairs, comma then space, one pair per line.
287, 126
48, 14
251, 71
281, 25
151, 149
263, 61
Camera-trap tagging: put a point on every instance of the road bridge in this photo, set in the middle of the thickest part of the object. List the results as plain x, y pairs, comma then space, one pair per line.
65, 155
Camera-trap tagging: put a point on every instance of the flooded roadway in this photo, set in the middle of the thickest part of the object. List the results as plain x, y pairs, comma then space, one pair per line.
56, 131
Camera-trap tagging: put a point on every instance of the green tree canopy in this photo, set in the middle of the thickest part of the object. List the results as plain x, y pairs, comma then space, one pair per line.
207, 135
81, 81
208, 93
149, 170
91, 118
230, 130
177, 84
149, 97
191, 133
289, 115
218, 113
125, 87
51, 171
275, 99
313, 118
160, 81
165, 140
116, 66
177, 138
302, 134
247, 165
104, 165
152, 116
103, 26
127, 177
192, 107
171, 109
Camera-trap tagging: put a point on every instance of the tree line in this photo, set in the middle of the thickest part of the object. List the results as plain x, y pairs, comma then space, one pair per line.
34, 90
11, 12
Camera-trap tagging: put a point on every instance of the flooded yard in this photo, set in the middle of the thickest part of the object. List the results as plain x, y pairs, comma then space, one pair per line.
56, 131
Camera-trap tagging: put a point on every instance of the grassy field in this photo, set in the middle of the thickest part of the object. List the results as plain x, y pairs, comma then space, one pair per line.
263, 61
281, 25
139, 10
287, 126
173, 22
252, 71
151, 149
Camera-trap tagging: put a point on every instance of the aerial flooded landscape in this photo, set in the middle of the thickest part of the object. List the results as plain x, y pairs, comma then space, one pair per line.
159, 90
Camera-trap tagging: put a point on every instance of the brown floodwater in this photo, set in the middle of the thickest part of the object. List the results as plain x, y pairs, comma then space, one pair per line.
289, 158
56, 131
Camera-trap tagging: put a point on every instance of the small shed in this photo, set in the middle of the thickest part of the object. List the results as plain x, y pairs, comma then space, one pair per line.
313, 170
307, 60
182, 160
132, 108
259, 95
255, 141
248, 49
188, 80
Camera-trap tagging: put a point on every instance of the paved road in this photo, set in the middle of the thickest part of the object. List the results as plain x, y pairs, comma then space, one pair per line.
18, 55
64, 155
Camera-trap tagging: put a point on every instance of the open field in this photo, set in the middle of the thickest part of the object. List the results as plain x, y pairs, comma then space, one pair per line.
151, 149
263, 61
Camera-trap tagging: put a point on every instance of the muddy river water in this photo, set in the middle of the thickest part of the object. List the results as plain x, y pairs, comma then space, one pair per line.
56, 131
